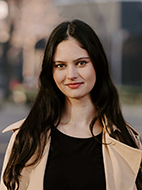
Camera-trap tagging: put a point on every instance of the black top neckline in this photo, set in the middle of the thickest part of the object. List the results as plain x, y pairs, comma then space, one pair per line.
77, 138
74, 163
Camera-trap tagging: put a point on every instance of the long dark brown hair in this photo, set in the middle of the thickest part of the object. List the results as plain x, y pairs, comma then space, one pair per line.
46, 111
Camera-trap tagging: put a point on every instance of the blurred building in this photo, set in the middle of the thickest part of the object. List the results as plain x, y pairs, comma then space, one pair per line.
25, 29
4, 38
27, 22
119, 25
131, 23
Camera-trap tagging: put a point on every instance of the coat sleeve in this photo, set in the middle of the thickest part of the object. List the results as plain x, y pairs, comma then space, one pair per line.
6, 158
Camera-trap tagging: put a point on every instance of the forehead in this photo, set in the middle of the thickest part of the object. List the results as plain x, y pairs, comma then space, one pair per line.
69, 49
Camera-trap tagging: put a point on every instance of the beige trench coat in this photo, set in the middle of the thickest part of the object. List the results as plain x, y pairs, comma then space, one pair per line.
121, 163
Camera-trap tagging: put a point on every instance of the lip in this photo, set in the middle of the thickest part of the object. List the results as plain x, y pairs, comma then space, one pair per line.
74, 85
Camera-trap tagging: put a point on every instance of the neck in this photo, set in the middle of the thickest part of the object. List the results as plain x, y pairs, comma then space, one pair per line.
76, 116
78, 112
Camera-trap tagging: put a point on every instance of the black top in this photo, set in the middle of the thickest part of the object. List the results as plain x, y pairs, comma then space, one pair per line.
74, 163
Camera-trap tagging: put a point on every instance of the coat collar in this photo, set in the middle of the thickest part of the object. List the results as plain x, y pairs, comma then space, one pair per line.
121, 164
13, 127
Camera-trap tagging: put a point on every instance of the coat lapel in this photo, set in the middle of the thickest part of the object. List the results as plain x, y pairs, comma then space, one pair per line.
31, 177
36, 173
121, 164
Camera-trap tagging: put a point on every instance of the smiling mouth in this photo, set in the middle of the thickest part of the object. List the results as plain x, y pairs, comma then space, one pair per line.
74, 85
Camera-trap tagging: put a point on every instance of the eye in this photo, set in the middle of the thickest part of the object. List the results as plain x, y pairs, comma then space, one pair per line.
81, 63
60, 66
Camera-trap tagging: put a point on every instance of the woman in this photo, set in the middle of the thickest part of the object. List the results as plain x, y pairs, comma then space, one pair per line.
75, 122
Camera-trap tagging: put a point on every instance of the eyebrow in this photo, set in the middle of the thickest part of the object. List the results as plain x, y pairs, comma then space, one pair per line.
73, 60
81, 58
58, 62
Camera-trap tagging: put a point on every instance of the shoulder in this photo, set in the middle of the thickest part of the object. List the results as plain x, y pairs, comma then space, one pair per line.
13, 127
135, 135
117, 134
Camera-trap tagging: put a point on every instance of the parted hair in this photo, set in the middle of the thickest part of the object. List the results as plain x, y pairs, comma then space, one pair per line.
46, 110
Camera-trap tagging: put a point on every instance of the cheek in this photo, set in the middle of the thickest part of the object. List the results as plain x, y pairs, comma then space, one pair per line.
92, 80
58, 77
89, 74
91, 77
92, 73
55, 76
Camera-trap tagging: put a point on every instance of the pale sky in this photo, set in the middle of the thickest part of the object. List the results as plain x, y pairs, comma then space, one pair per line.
67, 2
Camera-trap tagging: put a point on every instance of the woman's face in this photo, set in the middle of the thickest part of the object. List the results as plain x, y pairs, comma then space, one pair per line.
73, 71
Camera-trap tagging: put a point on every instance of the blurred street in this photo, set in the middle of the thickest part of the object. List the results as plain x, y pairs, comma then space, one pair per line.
11, 113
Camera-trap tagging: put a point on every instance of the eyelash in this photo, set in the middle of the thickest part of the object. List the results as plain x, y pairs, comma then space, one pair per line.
59, 65
62, 65
84, 62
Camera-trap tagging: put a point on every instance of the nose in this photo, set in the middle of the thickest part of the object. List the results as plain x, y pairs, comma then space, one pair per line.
72, 72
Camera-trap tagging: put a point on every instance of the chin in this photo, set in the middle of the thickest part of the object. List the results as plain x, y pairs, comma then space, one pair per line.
79, 96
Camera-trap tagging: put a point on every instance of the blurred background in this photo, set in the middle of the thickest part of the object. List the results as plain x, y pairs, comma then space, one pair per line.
24, 29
